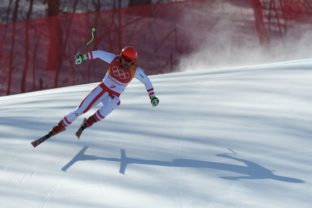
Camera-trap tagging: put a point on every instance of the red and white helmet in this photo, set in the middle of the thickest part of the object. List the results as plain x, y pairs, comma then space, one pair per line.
129, 53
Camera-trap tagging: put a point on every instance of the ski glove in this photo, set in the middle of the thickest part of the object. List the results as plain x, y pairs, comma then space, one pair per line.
79, 58
154, 100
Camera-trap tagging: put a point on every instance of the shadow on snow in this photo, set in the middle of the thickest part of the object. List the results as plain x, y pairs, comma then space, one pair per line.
248, 169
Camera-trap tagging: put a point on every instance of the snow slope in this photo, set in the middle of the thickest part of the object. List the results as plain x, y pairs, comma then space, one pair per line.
235, 137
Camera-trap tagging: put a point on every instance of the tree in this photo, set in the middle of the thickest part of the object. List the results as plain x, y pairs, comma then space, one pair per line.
26, 48
54, 57
11, 59
139, 2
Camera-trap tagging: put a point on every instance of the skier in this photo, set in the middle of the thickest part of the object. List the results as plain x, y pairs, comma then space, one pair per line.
122, 68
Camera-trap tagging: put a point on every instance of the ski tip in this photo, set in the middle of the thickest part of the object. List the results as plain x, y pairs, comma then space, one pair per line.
40, 140
79, 132
81, 128
78, 136
33, 144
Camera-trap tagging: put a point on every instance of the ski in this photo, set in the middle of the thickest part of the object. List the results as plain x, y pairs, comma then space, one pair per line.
35, 143
81, 128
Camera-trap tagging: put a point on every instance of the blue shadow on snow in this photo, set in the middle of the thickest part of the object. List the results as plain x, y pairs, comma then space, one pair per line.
248, 169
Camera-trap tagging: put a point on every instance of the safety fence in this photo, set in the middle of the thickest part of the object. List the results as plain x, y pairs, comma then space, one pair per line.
39, 54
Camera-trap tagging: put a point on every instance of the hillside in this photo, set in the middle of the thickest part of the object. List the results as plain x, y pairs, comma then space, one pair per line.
232, 137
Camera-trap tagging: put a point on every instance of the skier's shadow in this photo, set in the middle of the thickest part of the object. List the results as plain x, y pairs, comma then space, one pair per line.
248, 169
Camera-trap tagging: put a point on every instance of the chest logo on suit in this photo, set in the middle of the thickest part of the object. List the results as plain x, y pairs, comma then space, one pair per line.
120, 73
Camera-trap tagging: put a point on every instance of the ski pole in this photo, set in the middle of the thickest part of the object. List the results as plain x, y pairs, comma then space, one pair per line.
87, 43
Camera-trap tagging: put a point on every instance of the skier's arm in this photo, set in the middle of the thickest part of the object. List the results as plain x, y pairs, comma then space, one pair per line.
142, 77
103, 55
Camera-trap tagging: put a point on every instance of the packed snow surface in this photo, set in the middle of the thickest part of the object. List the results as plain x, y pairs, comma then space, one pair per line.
231, 137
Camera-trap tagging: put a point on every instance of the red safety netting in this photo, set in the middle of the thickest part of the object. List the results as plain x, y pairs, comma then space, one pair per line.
39, 54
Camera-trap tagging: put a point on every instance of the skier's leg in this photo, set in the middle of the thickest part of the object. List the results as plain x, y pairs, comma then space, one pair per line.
90, 100
109, 104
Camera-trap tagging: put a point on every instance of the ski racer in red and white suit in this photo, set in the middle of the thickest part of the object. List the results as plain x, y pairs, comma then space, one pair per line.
122, 68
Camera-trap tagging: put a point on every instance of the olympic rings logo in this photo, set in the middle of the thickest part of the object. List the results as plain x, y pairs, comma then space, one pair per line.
118, 73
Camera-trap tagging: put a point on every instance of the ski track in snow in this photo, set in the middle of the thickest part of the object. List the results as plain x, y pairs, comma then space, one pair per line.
232, 137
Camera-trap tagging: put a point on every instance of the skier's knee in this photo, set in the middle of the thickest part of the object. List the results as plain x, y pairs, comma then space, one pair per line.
74, 114
78, 112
